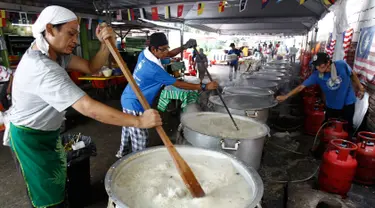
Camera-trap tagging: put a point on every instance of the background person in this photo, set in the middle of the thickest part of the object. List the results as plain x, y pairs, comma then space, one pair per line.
335, 80
201, 62
292, 54
233, 65
151, 77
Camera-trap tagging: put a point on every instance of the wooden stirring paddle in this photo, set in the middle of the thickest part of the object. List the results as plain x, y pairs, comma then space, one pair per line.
184, 170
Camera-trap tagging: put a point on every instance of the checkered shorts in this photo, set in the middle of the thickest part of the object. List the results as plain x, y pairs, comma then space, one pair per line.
138, 137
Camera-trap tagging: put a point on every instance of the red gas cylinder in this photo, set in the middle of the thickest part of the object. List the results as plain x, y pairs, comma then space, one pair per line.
306, 59
305, 72
366, 158
338, 167
302, 55
311, 91
314, 119
334, 130
309, 103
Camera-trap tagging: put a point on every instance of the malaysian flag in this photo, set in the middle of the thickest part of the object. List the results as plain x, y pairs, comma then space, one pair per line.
330, 45
347, 41
364, 63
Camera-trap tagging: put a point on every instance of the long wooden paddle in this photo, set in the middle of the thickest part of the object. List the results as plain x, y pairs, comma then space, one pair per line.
183, 168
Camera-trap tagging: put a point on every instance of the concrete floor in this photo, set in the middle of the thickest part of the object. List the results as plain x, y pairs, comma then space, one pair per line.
279, 167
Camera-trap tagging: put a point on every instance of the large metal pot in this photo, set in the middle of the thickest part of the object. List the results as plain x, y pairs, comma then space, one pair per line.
244, 105
124, 164
264, 84
276, 66
253, 91
270, 73
247, 150
263, 77
274, 70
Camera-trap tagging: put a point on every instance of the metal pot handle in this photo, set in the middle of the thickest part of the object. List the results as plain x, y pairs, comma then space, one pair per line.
235, 148
251, 115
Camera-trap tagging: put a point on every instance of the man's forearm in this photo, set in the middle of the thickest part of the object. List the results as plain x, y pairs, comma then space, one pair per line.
175, 51
187, 86
98, 61
355, 79
295, 91
105, 114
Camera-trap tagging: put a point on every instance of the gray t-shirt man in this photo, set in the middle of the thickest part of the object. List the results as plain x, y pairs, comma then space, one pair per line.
42, 91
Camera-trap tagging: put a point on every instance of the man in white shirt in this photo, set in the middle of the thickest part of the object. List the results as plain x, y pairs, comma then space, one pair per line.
292, 54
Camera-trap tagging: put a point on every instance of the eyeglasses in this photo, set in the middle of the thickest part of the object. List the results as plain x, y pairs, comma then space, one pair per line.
163, 49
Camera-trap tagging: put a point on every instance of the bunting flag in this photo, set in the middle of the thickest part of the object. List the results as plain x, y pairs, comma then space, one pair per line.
264, 3
328, 2
142, 13
131, 15
167, 12
155, 14
200, 8
3, 18
221, 6
180, 10
302, 2
365, 55
119, 15
243, 4
347, 41
89, 23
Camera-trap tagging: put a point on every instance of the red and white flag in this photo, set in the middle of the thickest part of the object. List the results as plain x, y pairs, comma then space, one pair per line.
347, 42
89, 23
364, 63
119, 15
330, 48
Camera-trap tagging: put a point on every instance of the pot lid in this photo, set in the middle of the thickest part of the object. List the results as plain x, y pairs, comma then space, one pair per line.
248, 90
220, 125
263, 77
258, 83
270, 73
244, 102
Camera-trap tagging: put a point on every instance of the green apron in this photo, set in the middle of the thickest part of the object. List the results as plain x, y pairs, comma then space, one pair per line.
43, 164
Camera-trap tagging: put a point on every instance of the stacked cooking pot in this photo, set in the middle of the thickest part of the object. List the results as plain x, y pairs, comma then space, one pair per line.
245, 101
250, 104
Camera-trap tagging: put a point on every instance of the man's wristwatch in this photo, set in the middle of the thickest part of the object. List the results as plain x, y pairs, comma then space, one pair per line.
203, 86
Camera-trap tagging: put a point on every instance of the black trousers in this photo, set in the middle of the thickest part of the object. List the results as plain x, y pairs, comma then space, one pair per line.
346, 114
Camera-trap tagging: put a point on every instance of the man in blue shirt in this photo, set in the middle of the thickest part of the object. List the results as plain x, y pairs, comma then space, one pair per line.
233, 64
150, 76
335, 80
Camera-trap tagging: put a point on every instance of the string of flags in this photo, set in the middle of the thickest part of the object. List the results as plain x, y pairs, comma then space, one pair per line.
200, 9
3, 18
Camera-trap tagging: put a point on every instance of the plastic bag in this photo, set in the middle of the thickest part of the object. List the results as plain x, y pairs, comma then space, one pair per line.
361, 107
74, 156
